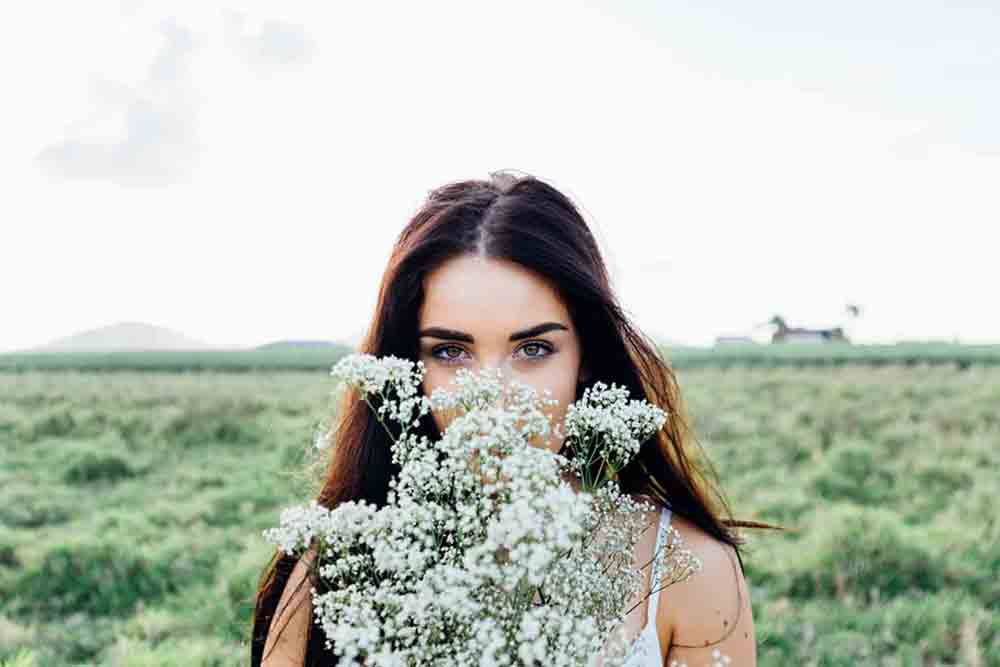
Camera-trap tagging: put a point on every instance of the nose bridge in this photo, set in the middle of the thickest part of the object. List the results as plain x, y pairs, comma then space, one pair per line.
498, 359
500, 362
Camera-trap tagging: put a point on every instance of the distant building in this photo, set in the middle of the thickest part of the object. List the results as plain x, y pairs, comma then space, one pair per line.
786, 334
734, 340
801, 337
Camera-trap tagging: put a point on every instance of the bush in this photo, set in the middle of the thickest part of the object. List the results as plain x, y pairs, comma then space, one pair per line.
56, 424
92, 467
855, 473
21, 510
196, 429
946, 628
23, 658
864, 553
95, 579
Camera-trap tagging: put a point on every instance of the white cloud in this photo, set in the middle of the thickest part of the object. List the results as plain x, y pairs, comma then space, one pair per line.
155, 142
272, 43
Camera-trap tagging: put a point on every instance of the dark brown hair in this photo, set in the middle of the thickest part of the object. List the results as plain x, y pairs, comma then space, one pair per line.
524, 220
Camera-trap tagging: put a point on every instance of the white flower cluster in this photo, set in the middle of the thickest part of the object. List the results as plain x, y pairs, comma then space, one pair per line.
393, 382
484, 553
605, 428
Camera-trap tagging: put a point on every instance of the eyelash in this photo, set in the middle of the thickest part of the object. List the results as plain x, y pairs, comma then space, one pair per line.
456, 360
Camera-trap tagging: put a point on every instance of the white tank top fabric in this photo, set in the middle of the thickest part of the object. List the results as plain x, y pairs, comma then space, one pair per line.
646, 650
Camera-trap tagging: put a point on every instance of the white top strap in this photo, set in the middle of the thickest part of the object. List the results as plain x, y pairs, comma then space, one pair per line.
661, 543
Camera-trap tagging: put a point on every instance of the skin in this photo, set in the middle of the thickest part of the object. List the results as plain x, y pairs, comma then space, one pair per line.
472, 307
711, 610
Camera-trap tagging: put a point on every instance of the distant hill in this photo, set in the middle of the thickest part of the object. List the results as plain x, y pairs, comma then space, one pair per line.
127, 336
353, 340
298, 344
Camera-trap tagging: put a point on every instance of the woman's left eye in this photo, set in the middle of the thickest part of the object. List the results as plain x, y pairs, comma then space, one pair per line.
539, 347
446, 357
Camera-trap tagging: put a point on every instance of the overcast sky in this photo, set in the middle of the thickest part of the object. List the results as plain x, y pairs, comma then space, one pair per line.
239, 172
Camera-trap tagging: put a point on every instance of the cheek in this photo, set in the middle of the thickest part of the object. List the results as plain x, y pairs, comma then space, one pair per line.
558, 412
433, 379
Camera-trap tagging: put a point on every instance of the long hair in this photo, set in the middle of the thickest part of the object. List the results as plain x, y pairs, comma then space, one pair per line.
524, 220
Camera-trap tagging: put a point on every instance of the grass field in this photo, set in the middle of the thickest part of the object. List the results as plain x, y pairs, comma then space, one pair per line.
315, 359
131, 505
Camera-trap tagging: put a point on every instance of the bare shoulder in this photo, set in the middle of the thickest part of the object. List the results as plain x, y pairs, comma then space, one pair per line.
711, 610
289, 629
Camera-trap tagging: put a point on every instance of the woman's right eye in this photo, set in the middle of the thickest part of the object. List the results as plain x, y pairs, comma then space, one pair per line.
447, 358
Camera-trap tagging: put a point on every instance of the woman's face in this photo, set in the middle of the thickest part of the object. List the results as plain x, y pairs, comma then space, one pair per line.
480, 312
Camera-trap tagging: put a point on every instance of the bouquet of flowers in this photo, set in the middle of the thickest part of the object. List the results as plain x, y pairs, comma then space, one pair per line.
490, 550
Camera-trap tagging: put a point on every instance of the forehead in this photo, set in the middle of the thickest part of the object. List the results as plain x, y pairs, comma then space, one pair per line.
473, 293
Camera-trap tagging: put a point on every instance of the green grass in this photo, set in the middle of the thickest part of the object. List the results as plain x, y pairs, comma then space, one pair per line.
131, 505
246, 361
312, 359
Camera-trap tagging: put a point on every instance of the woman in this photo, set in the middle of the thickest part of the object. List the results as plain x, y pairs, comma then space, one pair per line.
506, 273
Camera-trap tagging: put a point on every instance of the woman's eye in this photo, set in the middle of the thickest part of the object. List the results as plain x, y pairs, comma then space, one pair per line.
446, 357
536, 350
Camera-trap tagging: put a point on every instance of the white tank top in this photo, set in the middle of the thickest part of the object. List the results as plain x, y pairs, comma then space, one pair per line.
646, 650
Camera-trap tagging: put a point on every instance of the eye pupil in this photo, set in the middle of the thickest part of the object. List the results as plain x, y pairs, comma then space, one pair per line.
537, 347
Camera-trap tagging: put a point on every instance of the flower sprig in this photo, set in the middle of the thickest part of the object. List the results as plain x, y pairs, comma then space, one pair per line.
484, 552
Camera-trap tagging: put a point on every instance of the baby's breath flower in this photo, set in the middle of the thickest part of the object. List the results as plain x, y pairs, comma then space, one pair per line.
607, 428
483, 553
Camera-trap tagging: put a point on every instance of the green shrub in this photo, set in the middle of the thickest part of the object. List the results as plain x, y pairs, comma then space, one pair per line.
8, 556
92, 467
133, 430
940, 629
854, 472
22, 510
55, 424
95, 579
176, 652
205, 429
862, 554
23, 658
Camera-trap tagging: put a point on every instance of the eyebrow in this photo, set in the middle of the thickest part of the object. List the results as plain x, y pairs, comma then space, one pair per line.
451, 334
